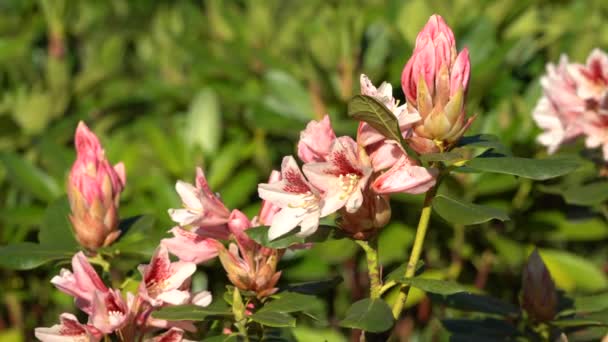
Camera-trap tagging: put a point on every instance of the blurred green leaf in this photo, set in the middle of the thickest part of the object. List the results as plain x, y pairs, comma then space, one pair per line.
478, 303
29, 178
287, 96
372, 315
273, 319
587, 194
56, 229
28, 255
442, 287
572, 272
458, 212
204, 122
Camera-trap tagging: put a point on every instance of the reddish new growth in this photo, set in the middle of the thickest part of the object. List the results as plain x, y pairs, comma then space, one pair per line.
343, 165
295, 183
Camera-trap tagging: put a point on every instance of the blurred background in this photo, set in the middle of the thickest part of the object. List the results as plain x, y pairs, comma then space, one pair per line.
228, 85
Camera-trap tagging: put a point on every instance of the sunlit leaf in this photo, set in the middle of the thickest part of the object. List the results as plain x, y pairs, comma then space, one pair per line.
455, 211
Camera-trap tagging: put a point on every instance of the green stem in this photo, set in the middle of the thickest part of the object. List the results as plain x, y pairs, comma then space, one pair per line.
373, 266
410, 271
99, 260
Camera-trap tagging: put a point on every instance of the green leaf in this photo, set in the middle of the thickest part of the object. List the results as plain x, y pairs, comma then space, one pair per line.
477, 303
587, 194
30, 178
138, 236
587, 304
204, 122
323, 233
287, 96
373, 112
480, 330
538, 169
56, 229
441, 287
578, 323
446, 157
290, 302
572, 272
399, 272
315, 287
274, 319
455, 211
372, 315
28, 255
191, 312
223, 338
489, 141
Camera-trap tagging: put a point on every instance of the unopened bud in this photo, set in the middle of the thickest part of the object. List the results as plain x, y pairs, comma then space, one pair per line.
374, 213
539, 297
93, 190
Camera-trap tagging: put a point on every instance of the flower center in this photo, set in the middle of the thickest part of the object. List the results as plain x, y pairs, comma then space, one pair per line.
348, 184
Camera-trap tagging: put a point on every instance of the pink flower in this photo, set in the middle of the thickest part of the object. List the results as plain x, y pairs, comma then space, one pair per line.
316, 140
172, 335
94, 189
342, 177
560, 109
202, 208
69, 330
190, 246
163, 279
435, 81
109, 311
268, 209
592, 81
298, 199
81, 283
405, 176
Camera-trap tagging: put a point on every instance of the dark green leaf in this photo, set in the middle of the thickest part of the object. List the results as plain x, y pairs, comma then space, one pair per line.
485, 140
477, 303
480, 330
191, 312
323, 233
274, 319
372, 315
56, 229
315, 287
138, 236
290, 302
30, 178
578, 323
538, 169
27, 255
588, 304
442, 287
399, 272
455, 211
373, 112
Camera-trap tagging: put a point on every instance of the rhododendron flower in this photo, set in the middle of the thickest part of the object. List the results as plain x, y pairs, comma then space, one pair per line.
405, 176
342, 178
435, 81
299, 201
190, 246
315, 140
172, 335
69, 330
574, 103
162, 279
94, 189
202, 208
268, 209
81, 283
109, 311
373, 214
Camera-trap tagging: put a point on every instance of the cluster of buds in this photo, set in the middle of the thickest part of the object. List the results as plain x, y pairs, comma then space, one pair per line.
205, 223
94, 189
435, 82
539, 297
164, 283
575, 103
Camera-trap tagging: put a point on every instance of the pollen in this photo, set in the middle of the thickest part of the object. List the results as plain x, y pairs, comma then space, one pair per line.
348, 184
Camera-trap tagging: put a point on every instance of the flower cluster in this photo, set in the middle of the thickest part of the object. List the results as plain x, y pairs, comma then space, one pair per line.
575, 103
163, 283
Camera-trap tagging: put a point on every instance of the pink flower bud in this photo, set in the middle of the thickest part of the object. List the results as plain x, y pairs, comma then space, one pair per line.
94, 189
435, 81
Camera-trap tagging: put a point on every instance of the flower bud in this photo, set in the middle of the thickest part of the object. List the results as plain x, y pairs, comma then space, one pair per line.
252, 270
539, 297
374, 213
435, 82
94, 189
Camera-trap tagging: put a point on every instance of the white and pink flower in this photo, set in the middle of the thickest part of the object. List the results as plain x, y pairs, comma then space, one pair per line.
68, 330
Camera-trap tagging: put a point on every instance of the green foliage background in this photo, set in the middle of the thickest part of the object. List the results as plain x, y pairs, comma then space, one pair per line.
228, 85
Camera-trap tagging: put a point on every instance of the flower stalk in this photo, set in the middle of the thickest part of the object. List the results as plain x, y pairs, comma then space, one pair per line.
373, 266
410, 271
